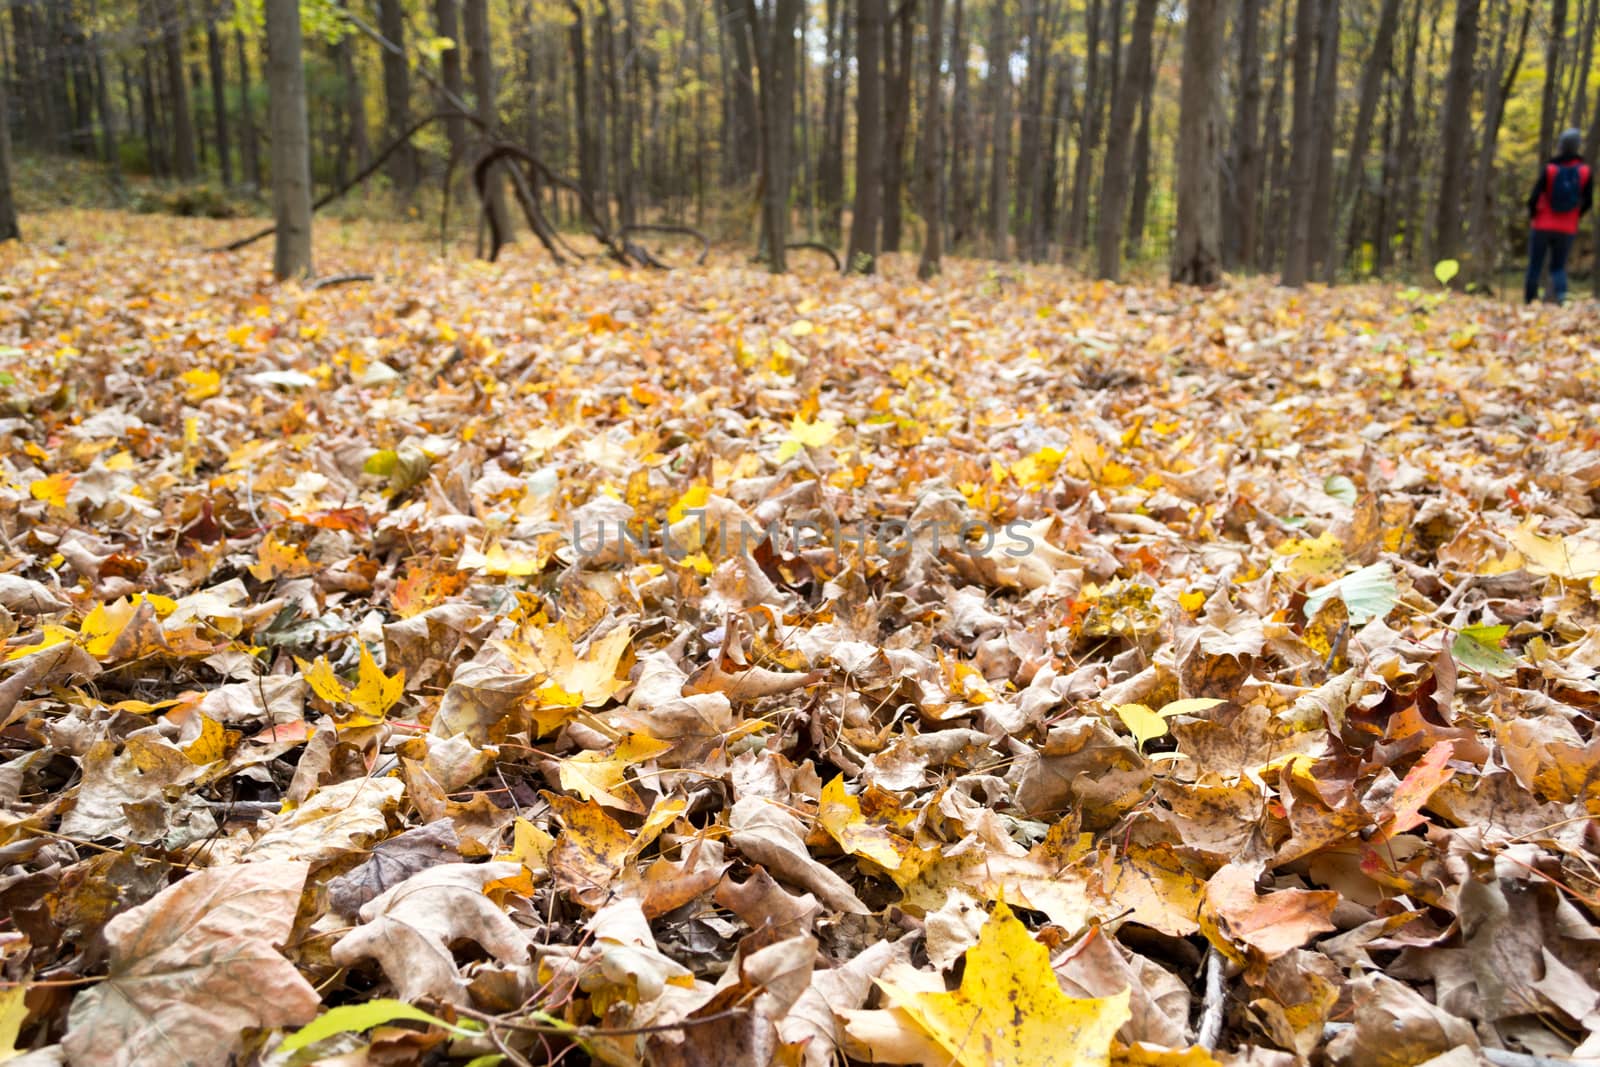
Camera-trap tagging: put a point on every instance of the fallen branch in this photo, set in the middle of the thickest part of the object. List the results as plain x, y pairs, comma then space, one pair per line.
338, 279
816, 246
684, 231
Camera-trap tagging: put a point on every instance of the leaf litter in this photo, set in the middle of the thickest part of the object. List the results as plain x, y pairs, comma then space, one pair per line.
498, 664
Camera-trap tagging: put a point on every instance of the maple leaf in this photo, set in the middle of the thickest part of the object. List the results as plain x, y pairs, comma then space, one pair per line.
1010, 1011
803, 434
192, 968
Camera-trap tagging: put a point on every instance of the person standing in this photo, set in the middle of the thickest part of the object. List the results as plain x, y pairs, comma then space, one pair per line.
1562, 194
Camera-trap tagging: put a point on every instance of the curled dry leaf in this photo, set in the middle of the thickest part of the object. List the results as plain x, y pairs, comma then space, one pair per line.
193, 968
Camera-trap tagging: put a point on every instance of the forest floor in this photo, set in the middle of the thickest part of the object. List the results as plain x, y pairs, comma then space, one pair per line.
965, 632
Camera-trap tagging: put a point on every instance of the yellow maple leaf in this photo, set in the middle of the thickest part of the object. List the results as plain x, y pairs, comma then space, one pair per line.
1010, 1011
323, 681
840, 814
375, 692
803, 434
54, 489
1308, 557
1564, 557
599, 776
203, 384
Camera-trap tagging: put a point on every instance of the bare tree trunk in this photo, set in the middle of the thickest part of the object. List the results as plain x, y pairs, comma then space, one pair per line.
740, 136
447, 23
1197, 245
249, 154
588, 137
871, 19
1114, 183
1032, 237
291, 143
830, 177
9, 230
897, 117
778, 62
1270, 242
1580, 89
1327, 110
1000, 112
475, 28
1139, 209
1088, 134
1548, 96
932, 149
962, 133
1302, 155
1371, 82
1457, 127
1246, 138
397, 94
1481, 223
219, 96
355, 105
184, 162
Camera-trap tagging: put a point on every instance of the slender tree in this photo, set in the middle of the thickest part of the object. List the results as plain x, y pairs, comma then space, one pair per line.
1246, 149
1302, 154
219, 93
397, 93
249, 151
447, 24
1549, 96
184, 154
1197, 245
291, 141
475, 28
932, 131
862, 257
1457, 128
1000, 142
9, 230
1115, 181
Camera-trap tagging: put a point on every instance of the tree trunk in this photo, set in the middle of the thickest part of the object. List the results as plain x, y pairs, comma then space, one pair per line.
778, 61
25, 73
9, 230
184, 160
358, 141
249, 154
1114, 183
1270, 237
291, 144
588, 138
1302, 154
397, 95
1549, 96
1246, 139
1481, 222
475, 28
1327, 95
1032, 159
830, 177
897, 118
932, 131
963, 210
219, 95
1457, 127
1580, 89
1371, 83
862, 257
1000, 115
1139, 210
1088, 134
1197, 245
740, 137
447, 23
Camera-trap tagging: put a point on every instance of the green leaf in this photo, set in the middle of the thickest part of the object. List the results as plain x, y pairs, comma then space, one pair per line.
355, 1017
1340, 488
1446, 269
1478, 647
1368, 594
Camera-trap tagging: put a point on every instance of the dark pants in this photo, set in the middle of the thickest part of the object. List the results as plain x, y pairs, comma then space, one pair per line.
1557, 245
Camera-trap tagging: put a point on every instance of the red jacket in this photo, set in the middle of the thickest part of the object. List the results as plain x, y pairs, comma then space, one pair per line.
1539, 210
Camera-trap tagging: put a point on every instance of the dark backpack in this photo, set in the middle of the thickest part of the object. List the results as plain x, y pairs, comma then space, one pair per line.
1566, 187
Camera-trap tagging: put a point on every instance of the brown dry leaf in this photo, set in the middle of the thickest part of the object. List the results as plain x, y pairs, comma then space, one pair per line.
193, 968
410, 928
